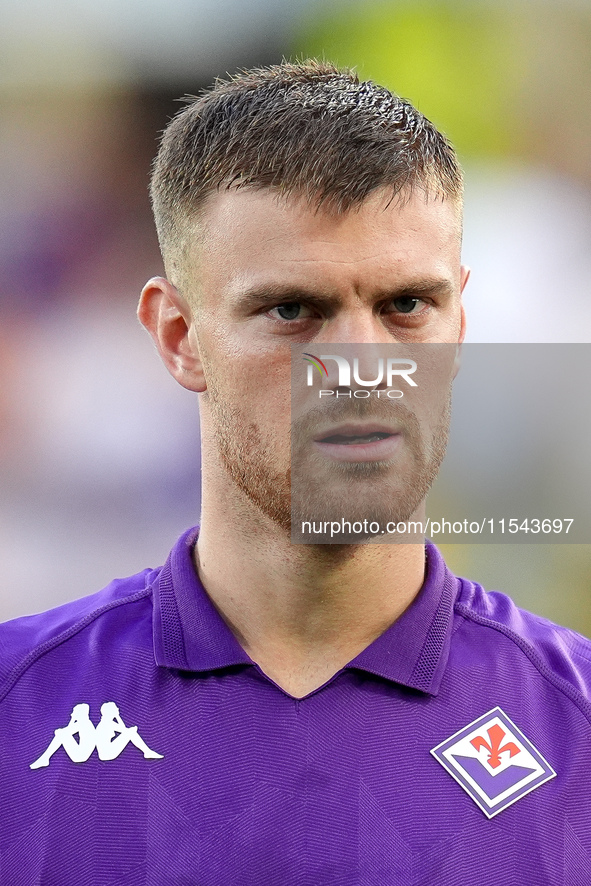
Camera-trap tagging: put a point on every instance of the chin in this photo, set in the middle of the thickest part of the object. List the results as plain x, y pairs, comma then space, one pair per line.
368, 515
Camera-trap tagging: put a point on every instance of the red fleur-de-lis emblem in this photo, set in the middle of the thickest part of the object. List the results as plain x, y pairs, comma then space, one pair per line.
495, 745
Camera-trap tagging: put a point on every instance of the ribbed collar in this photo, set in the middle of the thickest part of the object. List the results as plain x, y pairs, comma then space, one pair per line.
190, 634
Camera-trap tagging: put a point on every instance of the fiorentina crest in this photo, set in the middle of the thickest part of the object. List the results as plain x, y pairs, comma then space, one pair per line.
493, 761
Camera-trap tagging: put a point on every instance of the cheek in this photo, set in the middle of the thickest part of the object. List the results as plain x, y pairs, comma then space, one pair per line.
246, 382
265, 391
253, 406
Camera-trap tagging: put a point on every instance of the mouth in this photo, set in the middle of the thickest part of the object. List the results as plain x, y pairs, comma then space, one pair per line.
352, 439
356, 443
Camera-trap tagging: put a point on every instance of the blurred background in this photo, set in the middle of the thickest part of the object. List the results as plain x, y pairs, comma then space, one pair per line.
99, 448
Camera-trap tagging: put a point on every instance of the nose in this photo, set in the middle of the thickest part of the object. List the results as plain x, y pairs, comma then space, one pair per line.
355, 325
354, 366
361, 338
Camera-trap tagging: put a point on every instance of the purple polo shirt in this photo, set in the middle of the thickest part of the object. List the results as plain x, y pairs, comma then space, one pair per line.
455, 749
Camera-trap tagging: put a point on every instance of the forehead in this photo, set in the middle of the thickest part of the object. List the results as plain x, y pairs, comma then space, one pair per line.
249, 236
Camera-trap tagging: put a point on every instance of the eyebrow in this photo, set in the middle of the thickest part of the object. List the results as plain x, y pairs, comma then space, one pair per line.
279, 293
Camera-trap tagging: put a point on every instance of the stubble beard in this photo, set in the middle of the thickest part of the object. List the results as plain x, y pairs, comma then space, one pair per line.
383, 492
250, 461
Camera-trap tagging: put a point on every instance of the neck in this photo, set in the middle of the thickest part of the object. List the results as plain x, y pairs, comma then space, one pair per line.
300, 611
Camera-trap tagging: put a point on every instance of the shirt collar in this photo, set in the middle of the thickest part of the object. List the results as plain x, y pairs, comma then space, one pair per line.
189, 632
414, 650
191, 635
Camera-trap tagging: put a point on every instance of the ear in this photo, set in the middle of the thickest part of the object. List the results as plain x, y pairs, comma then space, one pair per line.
464, 276
169, 320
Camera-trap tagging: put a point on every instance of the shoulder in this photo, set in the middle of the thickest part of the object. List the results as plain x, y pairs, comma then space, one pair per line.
26, 641
524, 643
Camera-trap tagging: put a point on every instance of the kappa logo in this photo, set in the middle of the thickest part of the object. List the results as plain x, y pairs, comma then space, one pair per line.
493, 761
110, 737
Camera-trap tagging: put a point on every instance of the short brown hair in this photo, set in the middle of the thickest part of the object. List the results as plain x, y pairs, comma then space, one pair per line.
308, 129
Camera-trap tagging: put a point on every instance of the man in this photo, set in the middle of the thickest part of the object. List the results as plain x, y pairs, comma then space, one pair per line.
314, 713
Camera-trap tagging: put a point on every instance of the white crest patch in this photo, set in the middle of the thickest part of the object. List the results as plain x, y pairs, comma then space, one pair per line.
493, 761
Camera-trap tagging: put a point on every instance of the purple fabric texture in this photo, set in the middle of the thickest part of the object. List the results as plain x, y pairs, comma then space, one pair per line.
243, 785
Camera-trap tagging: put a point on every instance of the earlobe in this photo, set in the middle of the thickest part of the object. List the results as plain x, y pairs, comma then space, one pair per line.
462, 334
166, 315
457, 360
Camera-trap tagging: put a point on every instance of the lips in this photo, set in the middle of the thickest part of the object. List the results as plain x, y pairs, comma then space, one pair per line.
357, 438
361, 442
351, 433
